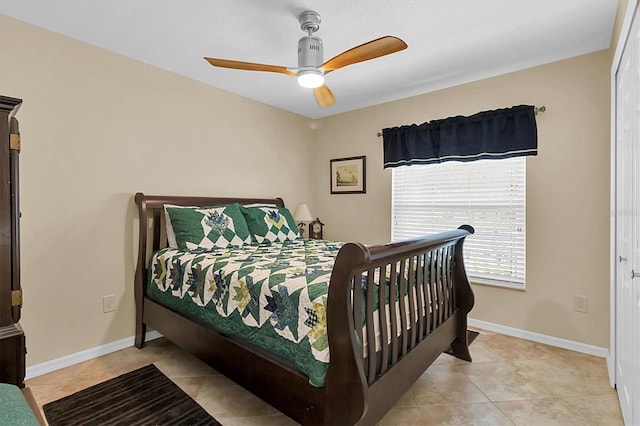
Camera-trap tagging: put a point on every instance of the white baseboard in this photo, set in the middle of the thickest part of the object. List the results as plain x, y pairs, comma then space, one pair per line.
612, 371
78, 357
542, 338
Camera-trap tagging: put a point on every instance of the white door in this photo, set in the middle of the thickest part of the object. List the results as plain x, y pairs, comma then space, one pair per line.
627, 233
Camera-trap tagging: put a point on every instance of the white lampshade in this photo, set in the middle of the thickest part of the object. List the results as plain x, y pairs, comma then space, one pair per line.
302, 213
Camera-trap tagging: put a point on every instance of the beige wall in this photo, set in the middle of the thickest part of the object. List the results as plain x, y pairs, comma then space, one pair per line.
96, 128
567, 189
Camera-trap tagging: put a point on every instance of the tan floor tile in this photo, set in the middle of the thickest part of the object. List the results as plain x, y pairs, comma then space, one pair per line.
223, 398
404, 416
62, 376
575, 377
455, 414
178, 365
548, 412
441, 384
539, 378
467, 414
45, 394
407, 400
126, 360
503, 381
561, 412
91, 376
159, 344
190, 385
602, 409
448, 359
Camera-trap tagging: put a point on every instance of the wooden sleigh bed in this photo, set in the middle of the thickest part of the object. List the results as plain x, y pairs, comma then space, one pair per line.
361, 384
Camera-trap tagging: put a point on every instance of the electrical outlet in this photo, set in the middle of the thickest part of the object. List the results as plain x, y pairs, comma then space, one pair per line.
108, 304
580, 303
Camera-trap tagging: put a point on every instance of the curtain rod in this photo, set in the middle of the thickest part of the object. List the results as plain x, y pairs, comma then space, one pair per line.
536, 111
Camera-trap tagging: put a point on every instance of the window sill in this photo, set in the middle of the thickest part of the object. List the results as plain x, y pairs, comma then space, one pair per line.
492, 283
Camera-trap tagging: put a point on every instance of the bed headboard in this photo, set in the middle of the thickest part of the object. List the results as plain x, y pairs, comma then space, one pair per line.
152, 235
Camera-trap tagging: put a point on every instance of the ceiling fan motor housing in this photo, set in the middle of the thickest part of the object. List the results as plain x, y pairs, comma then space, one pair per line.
310, 52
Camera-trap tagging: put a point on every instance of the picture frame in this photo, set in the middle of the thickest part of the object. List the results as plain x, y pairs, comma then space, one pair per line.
348, 175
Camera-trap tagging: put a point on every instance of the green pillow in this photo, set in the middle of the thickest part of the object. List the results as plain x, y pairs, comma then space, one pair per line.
270, 224
208, 227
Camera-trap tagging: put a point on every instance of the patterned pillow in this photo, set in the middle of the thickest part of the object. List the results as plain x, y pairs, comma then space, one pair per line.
208, 227
270, 224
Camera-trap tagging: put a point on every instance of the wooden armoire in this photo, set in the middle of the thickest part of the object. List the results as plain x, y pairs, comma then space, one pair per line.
12, 339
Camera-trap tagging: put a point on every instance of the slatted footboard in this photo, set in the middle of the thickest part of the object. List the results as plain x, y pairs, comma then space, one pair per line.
407, 302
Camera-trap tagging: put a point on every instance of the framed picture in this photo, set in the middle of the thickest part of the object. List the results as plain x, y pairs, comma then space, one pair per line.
348, 175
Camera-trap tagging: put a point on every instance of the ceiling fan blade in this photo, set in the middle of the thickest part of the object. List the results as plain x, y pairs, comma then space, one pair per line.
370, 50
323, 95
249, 66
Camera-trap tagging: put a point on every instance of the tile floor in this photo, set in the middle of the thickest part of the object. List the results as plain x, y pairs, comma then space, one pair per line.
510, 382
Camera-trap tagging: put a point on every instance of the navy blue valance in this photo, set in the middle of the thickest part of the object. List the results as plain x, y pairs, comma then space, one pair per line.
501, 133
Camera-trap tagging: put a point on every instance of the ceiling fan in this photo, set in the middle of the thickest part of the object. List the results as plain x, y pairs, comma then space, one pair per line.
311, 70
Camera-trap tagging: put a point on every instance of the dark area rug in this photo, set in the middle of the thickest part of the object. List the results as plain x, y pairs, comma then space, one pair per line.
140, 397
471, 336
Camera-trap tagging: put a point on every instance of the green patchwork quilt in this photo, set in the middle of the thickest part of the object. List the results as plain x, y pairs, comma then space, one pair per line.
273, 295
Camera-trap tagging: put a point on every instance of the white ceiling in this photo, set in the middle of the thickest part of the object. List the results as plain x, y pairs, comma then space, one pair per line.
450, 41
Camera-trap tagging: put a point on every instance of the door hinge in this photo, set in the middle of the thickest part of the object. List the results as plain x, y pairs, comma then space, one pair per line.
16, 298
14, 141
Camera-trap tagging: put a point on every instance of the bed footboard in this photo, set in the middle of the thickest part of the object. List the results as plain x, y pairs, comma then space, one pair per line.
404, 303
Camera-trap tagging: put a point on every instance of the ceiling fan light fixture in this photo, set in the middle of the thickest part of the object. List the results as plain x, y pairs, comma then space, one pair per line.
310, 78
311, 65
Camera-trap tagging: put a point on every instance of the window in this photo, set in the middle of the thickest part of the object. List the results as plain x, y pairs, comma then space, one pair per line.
486, 194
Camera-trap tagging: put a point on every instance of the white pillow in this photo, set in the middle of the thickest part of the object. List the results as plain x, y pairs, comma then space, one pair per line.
171, 235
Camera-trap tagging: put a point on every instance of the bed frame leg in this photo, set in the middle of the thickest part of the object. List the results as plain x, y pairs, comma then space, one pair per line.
141, 333
461, 350
460, 346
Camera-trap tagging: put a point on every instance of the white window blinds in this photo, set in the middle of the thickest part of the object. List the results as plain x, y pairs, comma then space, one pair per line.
486, 194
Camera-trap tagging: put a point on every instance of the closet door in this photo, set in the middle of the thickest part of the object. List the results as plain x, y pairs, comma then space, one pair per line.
627, 236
